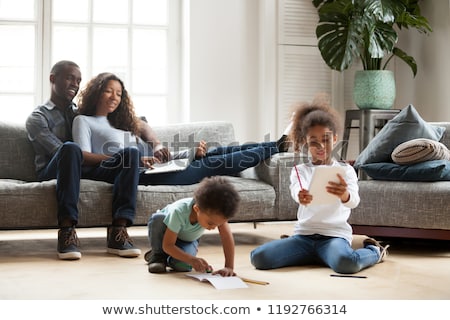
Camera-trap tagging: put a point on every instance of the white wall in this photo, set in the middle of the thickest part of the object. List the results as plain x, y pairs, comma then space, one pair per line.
224, 64
229, 57
429, 91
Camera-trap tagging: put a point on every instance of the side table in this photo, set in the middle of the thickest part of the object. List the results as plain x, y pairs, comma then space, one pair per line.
370, 121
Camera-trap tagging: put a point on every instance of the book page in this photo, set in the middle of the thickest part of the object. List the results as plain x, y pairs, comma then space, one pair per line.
321, 176
218, 281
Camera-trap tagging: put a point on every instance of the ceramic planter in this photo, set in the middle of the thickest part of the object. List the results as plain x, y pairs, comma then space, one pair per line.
374, 89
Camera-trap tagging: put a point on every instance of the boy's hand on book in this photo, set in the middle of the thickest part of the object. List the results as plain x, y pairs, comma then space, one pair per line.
225, 272
200, 265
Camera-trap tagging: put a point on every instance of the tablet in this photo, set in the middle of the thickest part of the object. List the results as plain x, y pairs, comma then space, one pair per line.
319, 181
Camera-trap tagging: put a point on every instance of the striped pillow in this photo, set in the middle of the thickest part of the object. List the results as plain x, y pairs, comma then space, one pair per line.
420, 150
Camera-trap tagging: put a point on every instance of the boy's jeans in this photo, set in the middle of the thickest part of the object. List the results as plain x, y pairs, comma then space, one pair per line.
156, 229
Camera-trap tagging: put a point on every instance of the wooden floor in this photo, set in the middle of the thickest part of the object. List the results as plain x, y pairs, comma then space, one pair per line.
30, 270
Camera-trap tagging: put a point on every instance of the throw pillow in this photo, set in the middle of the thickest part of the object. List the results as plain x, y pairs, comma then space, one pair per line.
406, 125
435, 170
420, 150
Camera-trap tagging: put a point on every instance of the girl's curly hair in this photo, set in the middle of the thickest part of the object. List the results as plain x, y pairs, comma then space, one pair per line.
124, 117
307, 115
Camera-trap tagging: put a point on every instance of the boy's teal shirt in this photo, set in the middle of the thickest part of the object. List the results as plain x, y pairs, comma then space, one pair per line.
177, 220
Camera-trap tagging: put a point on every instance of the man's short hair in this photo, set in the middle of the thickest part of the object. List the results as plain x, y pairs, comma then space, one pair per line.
60, 65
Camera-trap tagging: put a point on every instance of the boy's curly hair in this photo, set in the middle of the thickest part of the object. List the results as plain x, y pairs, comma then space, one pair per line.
217, 194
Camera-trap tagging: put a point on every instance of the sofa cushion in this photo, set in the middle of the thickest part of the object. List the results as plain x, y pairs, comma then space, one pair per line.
420, 150
16, 153
95, 203
257, 199
435, 170
422, 205
407, 125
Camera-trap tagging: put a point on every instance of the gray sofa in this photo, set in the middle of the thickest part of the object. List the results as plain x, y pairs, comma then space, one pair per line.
387, 208
404, 208
28, 204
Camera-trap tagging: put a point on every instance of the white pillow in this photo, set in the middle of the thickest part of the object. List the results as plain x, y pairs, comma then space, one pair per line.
419, 150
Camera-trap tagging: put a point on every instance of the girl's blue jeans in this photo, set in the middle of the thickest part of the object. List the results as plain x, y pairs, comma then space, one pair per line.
156, 229
298, 250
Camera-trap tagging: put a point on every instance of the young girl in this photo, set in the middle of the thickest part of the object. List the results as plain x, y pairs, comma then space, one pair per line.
174, 231
322, 234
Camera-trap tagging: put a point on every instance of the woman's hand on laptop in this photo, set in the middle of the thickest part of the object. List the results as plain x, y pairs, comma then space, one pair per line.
161, 153
149, 161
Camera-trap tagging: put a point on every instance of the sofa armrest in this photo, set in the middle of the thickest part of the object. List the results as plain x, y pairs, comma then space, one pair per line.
276, 171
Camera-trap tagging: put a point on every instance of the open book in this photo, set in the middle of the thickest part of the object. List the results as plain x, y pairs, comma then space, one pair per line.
218, 281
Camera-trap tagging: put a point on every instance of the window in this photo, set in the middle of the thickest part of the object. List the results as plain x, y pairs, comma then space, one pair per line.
136, 39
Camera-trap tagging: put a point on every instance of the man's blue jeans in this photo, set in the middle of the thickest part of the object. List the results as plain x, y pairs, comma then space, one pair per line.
121, 170
65, 167
226, 161
299, 250
156, 230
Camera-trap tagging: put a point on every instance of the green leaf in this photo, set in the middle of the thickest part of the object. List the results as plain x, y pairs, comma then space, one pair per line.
351, 29
410, 61
382, 40
338, 41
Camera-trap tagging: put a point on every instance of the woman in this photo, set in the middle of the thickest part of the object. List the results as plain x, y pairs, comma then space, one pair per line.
107, 124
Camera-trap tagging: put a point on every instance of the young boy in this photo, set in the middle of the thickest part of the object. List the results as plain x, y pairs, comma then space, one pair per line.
174, 231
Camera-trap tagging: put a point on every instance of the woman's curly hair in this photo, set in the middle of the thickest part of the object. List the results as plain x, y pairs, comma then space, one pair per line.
124, 117
307, 115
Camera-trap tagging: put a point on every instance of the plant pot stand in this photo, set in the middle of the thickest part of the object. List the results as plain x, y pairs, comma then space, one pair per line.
370, 121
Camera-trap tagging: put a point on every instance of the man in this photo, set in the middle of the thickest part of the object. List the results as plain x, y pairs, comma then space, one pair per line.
50, 131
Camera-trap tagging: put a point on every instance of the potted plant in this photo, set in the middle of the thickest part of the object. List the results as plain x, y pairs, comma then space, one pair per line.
367, 30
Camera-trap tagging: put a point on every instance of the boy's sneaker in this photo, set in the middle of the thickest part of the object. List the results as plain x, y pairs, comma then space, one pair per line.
147, 256
382, 249
68, 244
120, 243
156, 262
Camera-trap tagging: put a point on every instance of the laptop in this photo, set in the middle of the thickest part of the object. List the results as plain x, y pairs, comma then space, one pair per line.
173, 165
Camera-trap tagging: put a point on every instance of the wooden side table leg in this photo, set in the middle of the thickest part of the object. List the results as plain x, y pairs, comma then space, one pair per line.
369, 130
346, 135
365, 134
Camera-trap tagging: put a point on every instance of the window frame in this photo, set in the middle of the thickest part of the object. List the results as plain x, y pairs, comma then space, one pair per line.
43, 60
